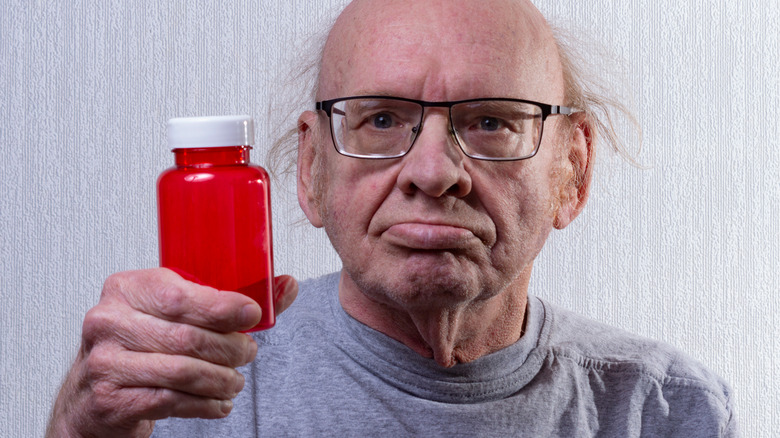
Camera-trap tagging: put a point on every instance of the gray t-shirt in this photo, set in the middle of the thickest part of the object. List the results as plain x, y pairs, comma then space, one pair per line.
320, 372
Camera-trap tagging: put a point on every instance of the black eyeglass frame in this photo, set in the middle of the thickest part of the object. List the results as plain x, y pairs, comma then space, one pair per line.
547, 110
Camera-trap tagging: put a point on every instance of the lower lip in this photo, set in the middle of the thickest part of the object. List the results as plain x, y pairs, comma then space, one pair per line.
427, 236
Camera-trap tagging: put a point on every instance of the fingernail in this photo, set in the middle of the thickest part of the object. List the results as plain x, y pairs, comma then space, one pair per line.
251, 350
239, 383
226, 406
250, 315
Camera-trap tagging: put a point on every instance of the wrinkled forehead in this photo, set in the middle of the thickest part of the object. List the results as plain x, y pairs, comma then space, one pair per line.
489, 47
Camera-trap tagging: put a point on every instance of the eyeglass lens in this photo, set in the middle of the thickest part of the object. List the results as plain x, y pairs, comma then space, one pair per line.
386, 128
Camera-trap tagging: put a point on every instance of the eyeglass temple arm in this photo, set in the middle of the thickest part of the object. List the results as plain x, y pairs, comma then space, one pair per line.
564, 110
328, 108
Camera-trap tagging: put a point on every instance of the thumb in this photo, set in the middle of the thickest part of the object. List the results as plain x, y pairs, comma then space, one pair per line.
285, 291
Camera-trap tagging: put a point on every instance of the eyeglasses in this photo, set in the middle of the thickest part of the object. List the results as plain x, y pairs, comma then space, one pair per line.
496, 129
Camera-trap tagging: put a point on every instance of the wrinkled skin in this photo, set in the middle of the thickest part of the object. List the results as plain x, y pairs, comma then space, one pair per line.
157, 346
438, 247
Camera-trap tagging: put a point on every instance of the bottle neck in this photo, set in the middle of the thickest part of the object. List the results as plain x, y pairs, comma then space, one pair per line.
212, 156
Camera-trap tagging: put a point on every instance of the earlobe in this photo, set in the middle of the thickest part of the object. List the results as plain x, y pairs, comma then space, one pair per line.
575, 191
308, 196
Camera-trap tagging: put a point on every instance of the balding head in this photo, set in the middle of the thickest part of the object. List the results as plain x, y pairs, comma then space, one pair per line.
440, 39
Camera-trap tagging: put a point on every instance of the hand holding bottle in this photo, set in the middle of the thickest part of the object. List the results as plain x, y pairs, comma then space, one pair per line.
157, 346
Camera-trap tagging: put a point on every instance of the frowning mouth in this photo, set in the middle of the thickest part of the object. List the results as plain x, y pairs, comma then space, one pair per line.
426, 236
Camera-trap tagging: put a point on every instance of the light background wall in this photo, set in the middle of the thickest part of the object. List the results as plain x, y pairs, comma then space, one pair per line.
686, 251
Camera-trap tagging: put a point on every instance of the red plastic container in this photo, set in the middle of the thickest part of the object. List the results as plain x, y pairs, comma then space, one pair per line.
215, 210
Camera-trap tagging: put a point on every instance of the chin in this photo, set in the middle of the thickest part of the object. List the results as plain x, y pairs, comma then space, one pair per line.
425, 286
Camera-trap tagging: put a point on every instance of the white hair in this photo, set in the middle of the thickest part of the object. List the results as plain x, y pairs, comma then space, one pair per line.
586, 88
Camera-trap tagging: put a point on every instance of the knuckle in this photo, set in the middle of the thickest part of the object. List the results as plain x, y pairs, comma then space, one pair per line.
157, 403
220, 351
104, 393
100, 364
184, 340
93, 325
227, 350
127, 406
101, 323
180, 373
227, 356
197, 407
115, 283
222, 383
226, 380
104, 399
175, 369
172, 300
239, 351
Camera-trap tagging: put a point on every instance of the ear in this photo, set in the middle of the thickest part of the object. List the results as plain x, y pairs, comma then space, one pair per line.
575, 192
308, 197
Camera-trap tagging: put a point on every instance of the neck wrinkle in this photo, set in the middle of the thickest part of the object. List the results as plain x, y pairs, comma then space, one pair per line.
449, 335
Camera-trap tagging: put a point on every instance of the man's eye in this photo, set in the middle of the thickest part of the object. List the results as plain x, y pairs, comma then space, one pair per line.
382, 121
489, 124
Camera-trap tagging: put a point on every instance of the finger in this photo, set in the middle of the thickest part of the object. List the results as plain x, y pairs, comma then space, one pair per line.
182, 405
164, 294
141, 332
123, 369
285, 292
188, 406
120, 406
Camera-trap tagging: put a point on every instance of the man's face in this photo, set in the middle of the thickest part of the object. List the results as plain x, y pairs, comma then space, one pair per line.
436, 227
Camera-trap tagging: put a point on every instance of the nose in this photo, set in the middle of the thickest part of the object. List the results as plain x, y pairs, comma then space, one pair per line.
435, 164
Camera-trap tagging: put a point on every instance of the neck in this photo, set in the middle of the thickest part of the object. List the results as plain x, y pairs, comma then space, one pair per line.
450, 334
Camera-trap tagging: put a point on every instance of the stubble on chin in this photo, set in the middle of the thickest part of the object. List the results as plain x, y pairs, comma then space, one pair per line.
451, 285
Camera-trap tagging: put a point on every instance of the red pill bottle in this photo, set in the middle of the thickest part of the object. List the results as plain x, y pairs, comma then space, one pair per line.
215, 209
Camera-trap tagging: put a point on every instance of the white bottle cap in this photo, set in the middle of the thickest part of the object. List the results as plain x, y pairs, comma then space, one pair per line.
214, 131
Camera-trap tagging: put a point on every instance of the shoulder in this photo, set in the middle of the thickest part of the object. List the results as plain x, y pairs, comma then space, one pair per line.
592, 341
632, 362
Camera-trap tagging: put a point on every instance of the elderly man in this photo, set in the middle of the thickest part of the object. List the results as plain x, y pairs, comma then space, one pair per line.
448, 140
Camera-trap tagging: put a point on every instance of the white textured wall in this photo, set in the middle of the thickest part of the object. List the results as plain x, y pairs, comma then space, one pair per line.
687, 251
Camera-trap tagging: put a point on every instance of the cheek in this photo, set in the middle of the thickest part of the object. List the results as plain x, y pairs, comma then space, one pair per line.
523, 192
521, 209
525, 209
352, 195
